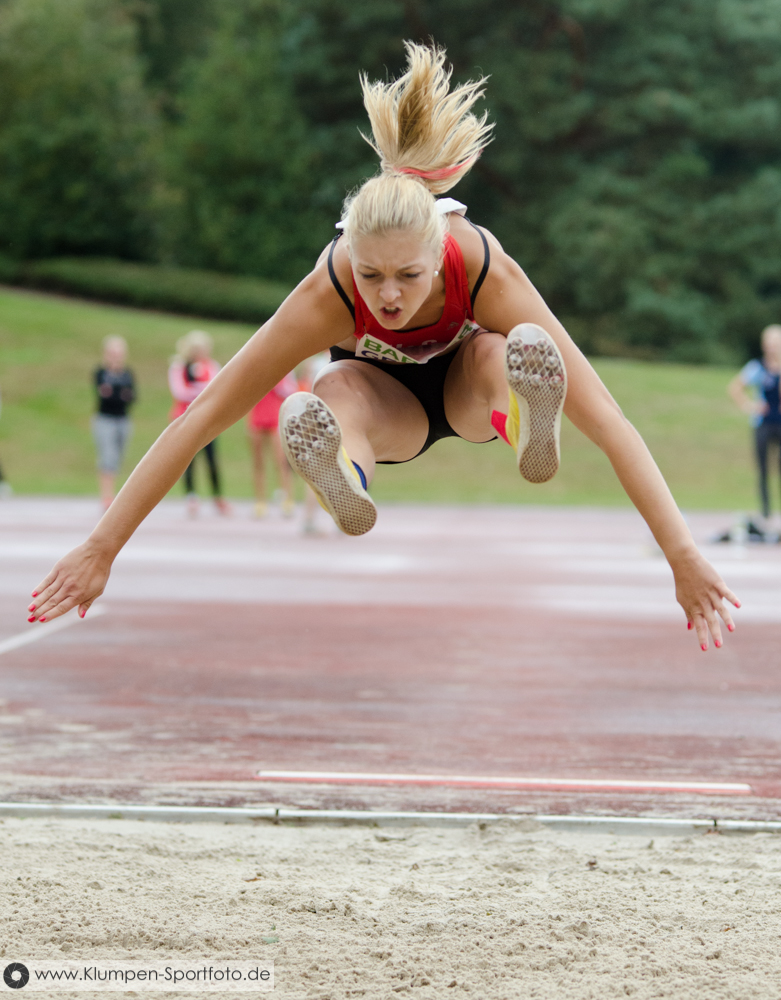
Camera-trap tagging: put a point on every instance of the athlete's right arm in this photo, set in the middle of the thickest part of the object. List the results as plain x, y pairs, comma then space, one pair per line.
311, 319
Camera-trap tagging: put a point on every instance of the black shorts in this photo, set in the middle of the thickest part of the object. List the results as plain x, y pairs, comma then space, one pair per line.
426, 383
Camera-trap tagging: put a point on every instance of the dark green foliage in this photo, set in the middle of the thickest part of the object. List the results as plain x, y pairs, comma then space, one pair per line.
242, 157
169, 33
75, 131
202, 293
635, 173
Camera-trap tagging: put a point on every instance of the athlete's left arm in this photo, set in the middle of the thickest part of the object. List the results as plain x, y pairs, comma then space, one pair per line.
508, 298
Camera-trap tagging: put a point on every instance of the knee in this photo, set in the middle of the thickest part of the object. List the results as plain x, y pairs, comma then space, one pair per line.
486, 348
333, 380
483, 356
342, 385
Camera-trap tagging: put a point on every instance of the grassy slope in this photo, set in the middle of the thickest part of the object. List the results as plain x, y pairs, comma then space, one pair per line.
49, 346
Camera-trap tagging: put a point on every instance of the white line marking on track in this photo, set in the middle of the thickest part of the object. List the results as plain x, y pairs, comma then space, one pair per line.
41, 631
518, 784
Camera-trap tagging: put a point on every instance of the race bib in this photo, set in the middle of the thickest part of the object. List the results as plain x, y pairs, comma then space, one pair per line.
378, 350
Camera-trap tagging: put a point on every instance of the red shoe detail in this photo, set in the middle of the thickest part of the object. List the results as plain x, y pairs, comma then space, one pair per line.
499, 424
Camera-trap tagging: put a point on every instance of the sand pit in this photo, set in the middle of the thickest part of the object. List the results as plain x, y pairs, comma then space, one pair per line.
505, 911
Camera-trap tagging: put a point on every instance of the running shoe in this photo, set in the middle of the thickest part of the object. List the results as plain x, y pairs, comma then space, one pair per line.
538, 385
312, 440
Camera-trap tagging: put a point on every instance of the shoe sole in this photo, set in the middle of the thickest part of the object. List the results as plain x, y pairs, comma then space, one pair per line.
538, 379
312, 440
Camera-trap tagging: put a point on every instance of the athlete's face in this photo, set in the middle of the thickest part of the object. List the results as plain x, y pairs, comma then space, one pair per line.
394, 275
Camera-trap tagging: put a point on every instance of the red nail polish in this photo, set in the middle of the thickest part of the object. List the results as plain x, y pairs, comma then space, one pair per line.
730, 628
703, 647
689, 626
34, 593
737, 604
31, 608
43, 620
718, 643
31, 618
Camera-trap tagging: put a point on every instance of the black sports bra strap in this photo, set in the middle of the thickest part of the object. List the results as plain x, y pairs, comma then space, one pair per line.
335, 280
486, 264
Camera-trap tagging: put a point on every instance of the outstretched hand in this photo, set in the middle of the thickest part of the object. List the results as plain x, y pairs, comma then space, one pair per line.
77, 580
702, 593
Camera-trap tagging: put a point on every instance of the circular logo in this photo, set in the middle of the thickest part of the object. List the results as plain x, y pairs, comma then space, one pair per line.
16, 975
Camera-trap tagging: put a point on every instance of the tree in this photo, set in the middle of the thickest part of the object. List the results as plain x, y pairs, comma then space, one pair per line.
242, 160
76, 132
635, 170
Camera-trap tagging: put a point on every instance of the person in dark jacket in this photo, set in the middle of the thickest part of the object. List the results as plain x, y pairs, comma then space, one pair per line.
111, 425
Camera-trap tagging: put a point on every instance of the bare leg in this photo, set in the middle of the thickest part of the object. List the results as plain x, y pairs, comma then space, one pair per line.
283, 467
476, 386
380, 419
258, 472
106, 481
310, 510
255, 438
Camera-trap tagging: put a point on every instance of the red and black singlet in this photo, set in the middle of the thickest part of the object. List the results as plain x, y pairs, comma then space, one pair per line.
377, 343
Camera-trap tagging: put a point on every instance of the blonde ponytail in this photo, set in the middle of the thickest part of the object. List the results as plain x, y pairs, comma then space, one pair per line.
427, 139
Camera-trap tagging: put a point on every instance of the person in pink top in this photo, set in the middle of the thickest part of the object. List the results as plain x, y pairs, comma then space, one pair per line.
263, 433
191, 370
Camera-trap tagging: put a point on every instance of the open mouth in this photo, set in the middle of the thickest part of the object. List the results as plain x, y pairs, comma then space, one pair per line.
390, 312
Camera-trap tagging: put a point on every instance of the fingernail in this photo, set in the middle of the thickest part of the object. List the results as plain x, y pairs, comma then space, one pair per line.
730, 628
34, 593
43, 620
737, 603
703, 647
689, 626
31, 608
717, 643
31, 618
82, 613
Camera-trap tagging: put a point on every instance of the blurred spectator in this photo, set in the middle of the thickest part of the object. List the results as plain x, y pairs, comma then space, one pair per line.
111, 425
755, 389
5, 487
263, 431
190, 372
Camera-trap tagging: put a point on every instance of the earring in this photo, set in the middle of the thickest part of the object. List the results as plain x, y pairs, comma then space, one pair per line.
436, 273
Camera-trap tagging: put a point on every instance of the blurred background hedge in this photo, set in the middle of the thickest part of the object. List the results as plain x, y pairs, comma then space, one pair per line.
174, 289
635, 175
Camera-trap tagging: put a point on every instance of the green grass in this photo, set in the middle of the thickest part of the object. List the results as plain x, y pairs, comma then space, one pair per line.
50, 345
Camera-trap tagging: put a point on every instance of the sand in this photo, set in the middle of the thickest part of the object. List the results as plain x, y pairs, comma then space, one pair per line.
505, 911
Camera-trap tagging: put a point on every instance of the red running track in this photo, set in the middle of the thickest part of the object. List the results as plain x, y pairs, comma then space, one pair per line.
540, 649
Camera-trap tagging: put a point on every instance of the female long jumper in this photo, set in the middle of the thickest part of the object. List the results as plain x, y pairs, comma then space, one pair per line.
433, 331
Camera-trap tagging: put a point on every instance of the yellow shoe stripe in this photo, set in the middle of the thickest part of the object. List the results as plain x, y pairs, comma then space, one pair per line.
350, 466
513, 426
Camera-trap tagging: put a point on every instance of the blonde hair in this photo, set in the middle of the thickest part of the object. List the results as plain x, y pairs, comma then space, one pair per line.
771, 333
427, 139
114, 340
190, 343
